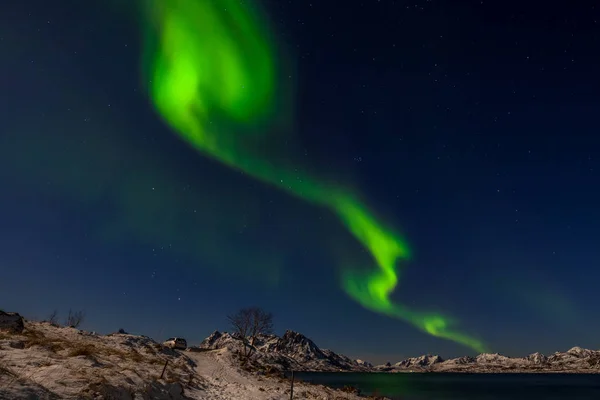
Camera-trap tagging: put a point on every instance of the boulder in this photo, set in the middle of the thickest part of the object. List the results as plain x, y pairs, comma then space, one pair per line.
11, 322
17, 344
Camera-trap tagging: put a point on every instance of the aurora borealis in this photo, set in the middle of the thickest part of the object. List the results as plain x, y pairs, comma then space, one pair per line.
389, 181
213, 60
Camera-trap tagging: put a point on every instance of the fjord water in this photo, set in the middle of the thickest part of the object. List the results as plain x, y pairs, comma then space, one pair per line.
449, 386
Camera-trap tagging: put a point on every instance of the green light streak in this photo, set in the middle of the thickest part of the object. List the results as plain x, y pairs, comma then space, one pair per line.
210, 62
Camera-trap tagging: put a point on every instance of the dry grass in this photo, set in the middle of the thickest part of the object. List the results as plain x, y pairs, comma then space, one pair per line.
35, 338
89, 350
82, 350
150, 349
135, 356
51, 345
31, 333
6, 371
111, 351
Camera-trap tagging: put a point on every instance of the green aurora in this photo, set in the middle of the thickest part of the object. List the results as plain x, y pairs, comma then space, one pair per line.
213, 73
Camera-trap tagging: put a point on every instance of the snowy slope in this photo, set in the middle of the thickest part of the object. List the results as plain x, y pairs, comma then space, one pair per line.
49, 362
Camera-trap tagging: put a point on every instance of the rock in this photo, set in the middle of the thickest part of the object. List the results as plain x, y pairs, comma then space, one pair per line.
11, 322
17, 344
107, 391
170, 391
175, 390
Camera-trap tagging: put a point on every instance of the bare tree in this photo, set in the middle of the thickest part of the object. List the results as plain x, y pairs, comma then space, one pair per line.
248, 323
74, 318
53, 318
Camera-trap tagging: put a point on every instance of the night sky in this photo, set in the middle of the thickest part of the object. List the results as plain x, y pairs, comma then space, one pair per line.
468, 127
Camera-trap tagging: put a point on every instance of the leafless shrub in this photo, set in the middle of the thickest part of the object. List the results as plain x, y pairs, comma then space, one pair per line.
248, 323
53, 318
74, 318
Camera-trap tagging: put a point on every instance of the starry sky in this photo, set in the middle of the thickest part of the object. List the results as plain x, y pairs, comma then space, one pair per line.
468, 126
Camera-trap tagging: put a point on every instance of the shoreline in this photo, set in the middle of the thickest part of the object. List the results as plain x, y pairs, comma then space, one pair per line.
491, 372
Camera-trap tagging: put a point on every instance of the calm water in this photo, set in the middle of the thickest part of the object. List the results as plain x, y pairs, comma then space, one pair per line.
430, 386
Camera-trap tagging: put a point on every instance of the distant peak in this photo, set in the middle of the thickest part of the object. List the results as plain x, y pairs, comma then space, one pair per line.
292, 334
579, 352
424, 360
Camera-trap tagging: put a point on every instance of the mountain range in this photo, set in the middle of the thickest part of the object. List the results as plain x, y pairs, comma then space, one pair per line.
294, 351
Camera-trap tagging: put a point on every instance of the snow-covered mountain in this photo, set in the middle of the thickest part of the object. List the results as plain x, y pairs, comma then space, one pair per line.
576, 359
295, 351
423, 361
292, 351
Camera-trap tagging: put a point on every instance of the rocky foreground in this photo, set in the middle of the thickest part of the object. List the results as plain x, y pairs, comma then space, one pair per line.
39, 360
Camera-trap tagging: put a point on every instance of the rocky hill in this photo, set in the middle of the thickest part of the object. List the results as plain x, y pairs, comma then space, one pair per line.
39, 360
290, 351
575, 360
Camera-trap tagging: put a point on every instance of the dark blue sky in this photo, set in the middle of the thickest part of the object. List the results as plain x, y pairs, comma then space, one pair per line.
470, 126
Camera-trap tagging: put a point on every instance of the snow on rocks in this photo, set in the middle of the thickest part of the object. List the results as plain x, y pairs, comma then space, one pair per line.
44, 361
290, 351
575, 360
537, 359
60, 362
422, 361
